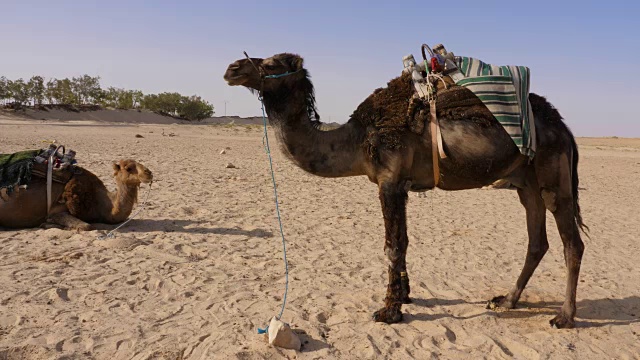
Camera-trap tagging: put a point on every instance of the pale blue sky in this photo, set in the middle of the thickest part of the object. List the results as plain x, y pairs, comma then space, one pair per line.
583, 57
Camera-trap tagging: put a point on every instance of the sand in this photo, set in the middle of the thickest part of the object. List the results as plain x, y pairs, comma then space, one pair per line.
201, 268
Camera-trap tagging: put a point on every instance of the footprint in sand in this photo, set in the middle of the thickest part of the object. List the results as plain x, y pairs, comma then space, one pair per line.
27, 352
122, 243
9, 320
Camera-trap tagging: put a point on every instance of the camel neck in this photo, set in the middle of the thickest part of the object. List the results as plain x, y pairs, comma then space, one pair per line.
122, 201
332, 153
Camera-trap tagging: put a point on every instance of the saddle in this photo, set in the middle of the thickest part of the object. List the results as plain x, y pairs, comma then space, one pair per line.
464, 87
19, 168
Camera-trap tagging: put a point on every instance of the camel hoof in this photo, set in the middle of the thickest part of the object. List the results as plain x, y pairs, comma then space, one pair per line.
388, 315
47, 226
562, 322
500, 302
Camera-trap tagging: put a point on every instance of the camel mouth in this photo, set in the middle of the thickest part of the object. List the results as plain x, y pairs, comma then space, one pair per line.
234, 79
146, 177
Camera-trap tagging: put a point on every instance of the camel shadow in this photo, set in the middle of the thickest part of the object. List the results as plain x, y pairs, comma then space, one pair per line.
433, 302
591, 313
185, 226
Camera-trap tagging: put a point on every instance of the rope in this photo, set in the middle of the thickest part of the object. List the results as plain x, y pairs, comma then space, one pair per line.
265, 141
110, 234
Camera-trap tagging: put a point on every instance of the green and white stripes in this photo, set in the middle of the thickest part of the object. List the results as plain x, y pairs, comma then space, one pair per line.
505, 92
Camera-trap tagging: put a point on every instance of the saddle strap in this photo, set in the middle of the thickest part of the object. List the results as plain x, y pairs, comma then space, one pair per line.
49, 183
437, 149
50, 176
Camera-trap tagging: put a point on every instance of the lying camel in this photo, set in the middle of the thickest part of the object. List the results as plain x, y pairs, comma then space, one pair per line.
83, 200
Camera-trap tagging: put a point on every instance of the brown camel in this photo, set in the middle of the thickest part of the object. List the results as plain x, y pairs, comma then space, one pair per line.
83, 200
398, 159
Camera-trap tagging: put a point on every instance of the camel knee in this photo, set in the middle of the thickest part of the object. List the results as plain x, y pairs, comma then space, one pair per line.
395, 257
549, 199
577, 247
537, 252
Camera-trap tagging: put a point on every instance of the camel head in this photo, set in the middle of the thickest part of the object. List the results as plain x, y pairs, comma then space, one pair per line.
130, 172
244, 73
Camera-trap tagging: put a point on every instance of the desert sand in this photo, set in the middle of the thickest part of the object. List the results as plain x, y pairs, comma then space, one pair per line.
201, 268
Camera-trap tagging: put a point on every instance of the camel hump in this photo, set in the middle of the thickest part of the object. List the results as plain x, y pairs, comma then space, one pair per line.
456, 96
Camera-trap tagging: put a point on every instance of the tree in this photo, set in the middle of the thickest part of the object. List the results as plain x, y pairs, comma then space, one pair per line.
64, 92
194, 108
91, 87
36, 89
4, 91
110, 97
125, 99
19, 91
169, 103
50, 91
85, 88
138, 96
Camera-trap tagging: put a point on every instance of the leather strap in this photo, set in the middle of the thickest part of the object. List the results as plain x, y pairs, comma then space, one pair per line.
50, 176
433, 120
436, 143
49, 181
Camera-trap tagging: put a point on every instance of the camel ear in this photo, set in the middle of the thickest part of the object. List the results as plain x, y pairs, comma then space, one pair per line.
116, 166
297, 63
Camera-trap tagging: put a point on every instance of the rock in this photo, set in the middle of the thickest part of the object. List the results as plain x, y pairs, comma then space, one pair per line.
223, 151
139, 136
281, 335
227, 148
230, 166
58, 294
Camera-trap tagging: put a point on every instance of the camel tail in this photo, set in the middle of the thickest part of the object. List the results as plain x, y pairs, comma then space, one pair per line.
575, 182
545, 110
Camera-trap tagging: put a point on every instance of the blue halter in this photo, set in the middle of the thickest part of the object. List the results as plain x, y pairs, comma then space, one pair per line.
281, 75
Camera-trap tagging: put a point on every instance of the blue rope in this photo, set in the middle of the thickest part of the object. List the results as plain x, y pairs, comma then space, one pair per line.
265, 141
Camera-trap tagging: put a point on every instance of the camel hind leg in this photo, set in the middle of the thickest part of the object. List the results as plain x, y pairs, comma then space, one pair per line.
573, 250
557, 176
538, 244
69, 221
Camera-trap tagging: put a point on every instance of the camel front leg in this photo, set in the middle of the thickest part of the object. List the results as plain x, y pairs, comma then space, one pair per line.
69, 221
393, 198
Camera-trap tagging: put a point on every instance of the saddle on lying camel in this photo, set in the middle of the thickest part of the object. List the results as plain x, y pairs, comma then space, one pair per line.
17, 169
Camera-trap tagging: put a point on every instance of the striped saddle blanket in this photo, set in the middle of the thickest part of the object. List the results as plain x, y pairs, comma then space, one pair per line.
505, 92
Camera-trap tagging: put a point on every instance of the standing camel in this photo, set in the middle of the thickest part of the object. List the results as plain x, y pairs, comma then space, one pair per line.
380, 141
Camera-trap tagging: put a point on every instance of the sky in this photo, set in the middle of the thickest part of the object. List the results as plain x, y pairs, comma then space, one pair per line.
584, 56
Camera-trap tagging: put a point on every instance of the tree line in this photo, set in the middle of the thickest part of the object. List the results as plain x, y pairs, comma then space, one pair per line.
86, 90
